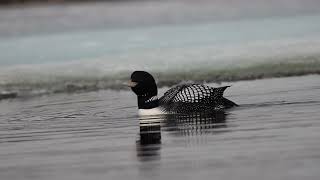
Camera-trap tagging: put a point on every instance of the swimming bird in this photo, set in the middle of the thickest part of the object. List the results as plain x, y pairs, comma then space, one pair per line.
181, 99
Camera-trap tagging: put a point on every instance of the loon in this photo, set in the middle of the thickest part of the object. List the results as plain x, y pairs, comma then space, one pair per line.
181, 99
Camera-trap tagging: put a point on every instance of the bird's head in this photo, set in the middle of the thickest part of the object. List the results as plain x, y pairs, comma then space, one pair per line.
143, 84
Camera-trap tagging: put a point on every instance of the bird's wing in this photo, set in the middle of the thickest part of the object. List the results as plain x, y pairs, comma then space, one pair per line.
171, 93
192, 93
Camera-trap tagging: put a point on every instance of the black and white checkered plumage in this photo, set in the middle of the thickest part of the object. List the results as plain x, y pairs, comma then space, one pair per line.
184, 99
190, 98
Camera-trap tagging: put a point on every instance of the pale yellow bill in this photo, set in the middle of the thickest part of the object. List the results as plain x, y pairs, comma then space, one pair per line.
130, 84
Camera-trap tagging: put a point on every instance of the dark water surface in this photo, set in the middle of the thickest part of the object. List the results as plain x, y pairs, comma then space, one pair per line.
274, 134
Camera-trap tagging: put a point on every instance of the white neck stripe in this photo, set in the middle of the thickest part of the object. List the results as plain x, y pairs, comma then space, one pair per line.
153, 98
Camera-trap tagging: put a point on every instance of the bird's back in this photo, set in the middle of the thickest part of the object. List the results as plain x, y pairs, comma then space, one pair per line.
190, 98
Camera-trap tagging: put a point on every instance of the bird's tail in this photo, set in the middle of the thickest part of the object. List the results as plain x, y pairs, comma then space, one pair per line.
227, 103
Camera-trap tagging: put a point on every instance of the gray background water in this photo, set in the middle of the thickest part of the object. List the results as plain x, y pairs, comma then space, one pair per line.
274, 134
177, 30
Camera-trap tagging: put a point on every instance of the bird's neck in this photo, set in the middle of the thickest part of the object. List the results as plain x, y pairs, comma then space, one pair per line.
148, 102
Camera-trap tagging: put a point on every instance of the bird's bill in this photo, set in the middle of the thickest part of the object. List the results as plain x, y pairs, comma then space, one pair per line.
130, 83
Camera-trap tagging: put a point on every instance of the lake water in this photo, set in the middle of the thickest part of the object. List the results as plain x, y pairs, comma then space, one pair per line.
273, 134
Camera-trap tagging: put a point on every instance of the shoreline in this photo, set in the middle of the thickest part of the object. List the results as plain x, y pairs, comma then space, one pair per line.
15, 95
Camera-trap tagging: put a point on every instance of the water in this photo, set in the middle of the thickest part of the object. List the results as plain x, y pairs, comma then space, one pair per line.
132, 44
274, 134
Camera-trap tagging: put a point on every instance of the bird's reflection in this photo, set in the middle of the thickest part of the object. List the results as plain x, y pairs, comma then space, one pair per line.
149, 144
195, 124
150, 130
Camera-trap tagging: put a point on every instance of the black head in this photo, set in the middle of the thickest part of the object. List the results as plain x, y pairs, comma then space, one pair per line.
143, 84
